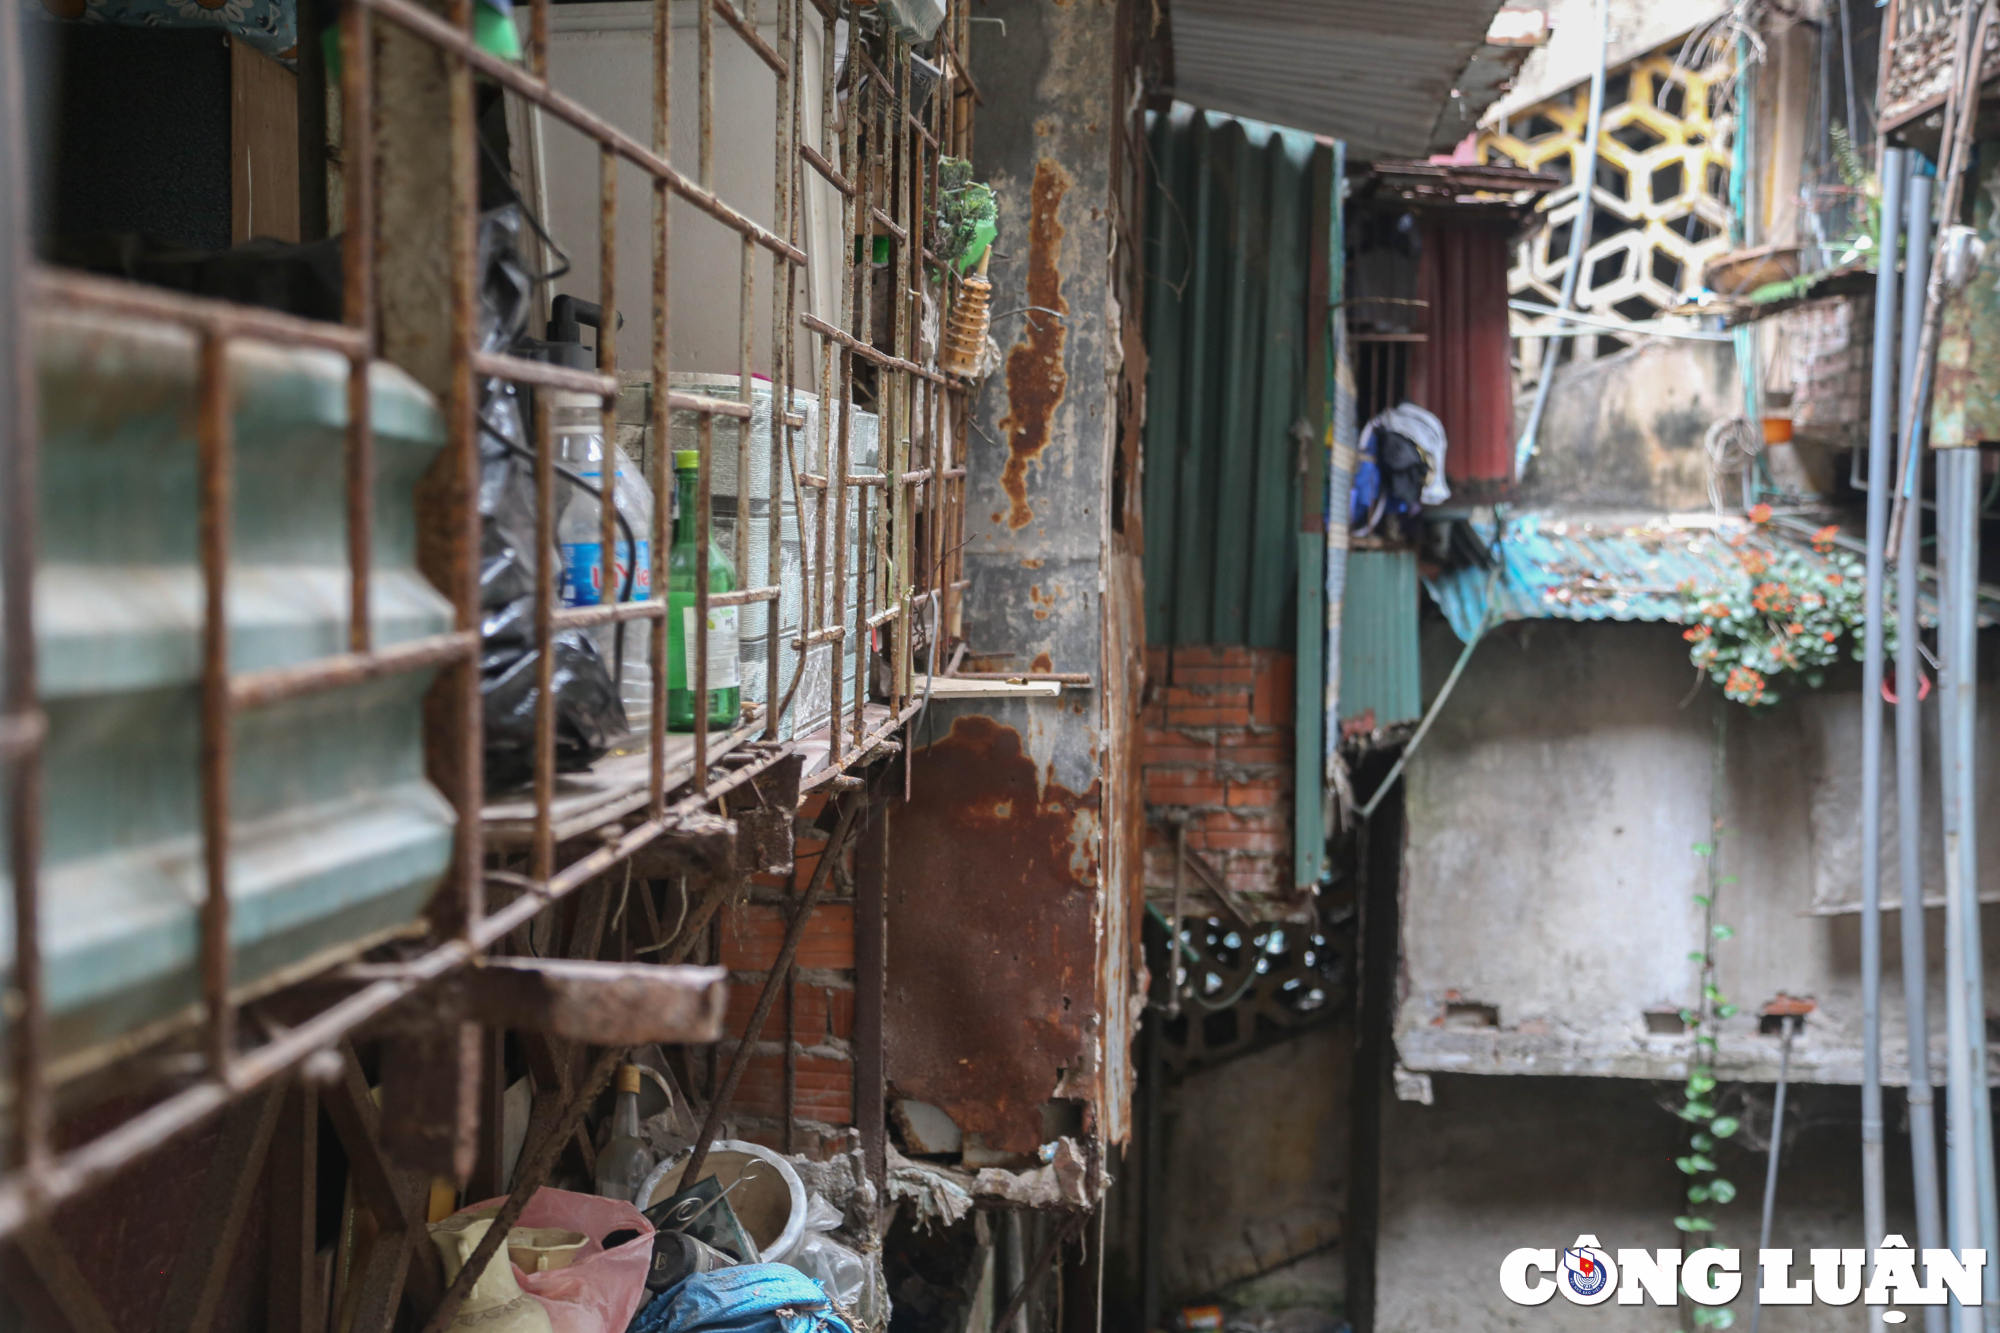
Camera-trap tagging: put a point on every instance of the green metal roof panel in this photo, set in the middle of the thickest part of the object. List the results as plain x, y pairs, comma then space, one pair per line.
1229, 247
1381, 669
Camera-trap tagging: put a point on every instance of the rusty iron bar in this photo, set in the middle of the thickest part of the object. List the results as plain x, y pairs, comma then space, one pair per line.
28, 1151
703, 518
705, 100
751, 39
460, 909
414, 19
885, 615
607, 365
261, 689
746, 339
663, 460
753, 1027
544, 374
1034, 1273
901, 234
357, 80
869, 352
828, 172
819, 636
215, 446
584, 617
542, 863
744, 596
533, 1171
59, 287
1062, 677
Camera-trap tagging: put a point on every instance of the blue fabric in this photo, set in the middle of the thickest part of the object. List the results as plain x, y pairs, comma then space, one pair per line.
749, 1298
271, 26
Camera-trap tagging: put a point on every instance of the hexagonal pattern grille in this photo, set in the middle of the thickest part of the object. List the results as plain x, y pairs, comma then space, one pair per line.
1660, 198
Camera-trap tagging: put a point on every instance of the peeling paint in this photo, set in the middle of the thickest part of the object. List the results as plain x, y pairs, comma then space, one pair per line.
1036, 379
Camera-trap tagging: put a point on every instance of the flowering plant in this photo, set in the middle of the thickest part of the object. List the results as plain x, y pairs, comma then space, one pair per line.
1787, 616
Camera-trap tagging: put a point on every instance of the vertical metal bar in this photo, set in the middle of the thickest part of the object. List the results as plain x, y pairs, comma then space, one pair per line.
705, 436
870, 155
21, 752
706, 149
663, 444
871, 968
837, 495
543, 861
607, 362
1909, 770
896, 494
214, 437
357, 77
1964, 1016
1881, 447
538, 39
782, 279
467, 901
1777, 1146
745, 350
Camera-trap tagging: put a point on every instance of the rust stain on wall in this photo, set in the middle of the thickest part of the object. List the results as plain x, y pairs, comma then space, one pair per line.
1036, 379
993, 990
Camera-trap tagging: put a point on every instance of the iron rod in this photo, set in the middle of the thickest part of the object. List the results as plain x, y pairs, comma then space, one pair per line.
215, 431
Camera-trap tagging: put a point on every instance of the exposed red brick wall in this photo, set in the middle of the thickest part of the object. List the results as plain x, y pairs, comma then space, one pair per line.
751, 935
1217, 748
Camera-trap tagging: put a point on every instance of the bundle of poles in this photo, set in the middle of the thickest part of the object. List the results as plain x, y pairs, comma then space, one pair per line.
1954, 1207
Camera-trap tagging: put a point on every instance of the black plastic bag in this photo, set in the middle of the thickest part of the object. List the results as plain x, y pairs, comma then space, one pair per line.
589, 717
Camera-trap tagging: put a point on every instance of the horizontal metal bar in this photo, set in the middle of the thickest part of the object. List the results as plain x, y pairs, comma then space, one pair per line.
900, 233
715, 407
57, 287
583, 617
260, 689
917, 478
523, 371
812, 479
743, 597
818, 636
1062, 677
883, 617
862, 479
866, 350
20, 733
826, 169
750, 38
918, 126
952, 473
796, 420
442, 35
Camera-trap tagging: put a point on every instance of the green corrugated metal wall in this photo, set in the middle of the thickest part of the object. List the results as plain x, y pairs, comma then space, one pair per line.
1379, 663
1228, 253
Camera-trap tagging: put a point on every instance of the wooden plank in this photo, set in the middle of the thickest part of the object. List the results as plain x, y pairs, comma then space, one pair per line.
291, 1204
202, 1268
598, 1003
263, 147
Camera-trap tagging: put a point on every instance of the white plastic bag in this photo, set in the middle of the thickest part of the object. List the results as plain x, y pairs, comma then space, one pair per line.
826, 1261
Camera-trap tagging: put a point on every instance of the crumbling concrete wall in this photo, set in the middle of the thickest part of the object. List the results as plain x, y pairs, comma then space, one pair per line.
1549, 878
1497, 1164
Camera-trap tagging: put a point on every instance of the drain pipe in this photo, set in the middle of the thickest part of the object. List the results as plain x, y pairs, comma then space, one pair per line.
1910, 760
1789, 1024
1881, 448
1968, 1109
1579, 241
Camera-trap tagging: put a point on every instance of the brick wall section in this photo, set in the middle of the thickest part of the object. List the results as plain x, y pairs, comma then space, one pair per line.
1217, 748
751, 935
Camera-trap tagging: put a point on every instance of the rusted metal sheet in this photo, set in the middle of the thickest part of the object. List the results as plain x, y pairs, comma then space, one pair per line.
993, 898
1463, 372
1966, 405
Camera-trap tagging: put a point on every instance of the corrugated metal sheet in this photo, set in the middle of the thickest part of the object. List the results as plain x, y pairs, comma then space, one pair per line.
1228, 250
1380, 667
1463, 373
1378, 74
1556, 568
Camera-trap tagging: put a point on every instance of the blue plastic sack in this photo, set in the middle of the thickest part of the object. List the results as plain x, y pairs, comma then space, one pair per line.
748, 1298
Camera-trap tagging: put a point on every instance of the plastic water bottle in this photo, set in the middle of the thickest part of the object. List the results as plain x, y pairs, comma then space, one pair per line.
580, 447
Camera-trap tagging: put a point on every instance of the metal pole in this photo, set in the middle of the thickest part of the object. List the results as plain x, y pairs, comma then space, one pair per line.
1579, 238
1790, 1023
1909, 771
1958, 609
1881, 447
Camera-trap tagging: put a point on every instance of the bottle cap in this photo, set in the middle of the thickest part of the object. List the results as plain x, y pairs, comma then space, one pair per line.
687, 458
628, 1078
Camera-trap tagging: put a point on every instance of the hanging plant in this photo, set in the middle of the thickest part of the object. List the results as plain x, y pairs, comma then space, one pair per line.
1788, 617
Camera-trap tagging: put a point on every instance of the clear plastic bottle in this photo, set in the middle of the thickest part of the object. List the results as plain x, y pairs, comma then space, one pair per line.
580, 447
625, 1162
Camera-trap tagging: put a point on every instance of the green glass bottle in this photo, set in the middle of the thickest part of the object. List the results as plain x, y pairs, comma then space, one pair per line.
725, 695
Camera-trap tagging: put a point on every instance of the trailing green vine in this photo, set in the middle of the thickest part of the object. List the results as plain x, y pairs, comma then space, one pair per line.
1706, 1183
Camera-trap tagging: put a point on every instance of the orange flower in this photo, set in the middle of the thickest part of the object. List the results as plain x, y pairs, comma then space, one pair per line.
1695, 633
1745, 684
1829, 635
1795, 628
1835, 579
1760, 513
1822, 541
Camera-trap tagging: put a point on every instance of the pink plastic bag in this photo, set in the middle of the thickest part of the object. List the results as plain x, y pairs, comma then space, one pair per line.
602, 1289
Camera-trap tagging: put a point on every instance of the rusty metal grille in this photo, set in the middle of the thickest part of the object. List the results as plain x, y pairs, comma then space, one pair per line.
882, 159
